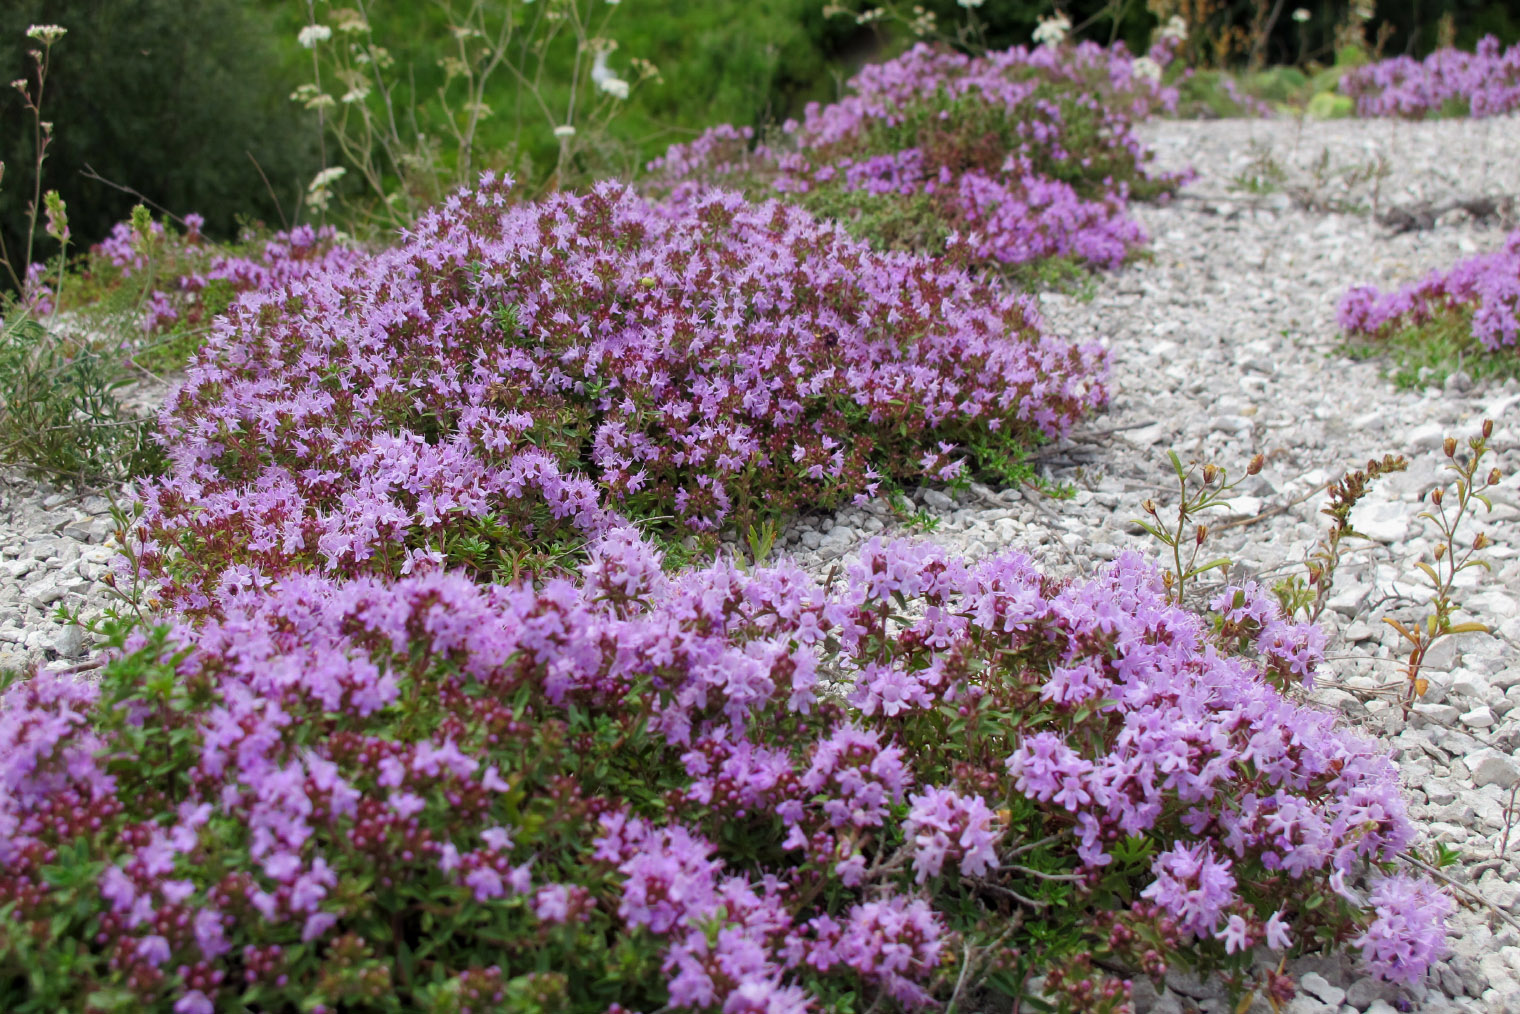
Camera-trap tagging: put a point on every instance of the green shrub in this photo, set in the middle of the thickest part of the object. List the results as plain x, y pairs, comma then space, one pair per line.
169, 97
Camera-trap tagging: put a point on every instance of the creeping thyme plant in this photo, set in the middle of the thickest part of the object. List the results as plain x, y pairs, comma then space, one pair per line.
426, 721
713, 790
516, 377
1468, 315
1485, 82
1013, 159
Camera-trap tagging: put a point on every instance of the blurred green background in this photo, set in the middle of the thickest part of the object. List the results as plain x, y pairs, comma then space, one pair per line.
172, 97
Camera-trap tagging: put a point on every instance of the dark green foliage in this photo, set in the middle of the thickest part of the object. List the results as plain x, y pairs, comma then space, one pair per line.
169, 97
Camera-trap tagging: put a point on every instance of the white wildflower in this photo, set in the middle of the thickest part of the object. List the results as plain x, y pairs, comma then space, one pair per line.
327, 177
318, 191
309, 36
564, 131
1301, 15
614, 86
1175, 28
1147, 69
46, 34
970, 4
349, 20
1052, 31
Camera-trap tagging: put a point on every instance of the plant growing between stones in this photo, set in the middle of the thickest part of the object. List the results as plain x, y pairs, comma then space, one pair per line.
1465, 318
395, 794
1450, 556
1200, 487
1020, 161
1310, 594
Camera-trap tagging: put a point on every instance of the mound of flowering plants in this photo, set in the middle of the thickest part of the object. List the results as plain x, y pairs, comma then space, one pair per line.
514, 377
1448, 82
1478, 298
715, 790
189, 281
1013, 159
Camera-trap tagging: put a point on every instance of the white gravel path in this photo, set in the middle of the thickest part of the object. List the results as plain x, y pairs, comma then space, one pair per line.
1224, 344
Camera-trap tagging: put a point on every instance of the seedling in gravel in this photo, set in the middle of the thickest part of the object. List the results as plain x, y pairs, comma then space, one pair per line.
762, 540
1199, 488
1294, 593
1450, 557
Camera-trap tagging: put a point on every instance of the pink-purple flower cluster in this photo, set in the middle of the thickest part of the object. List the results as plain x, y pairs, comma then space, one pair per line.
191, 265
639, 779
1485, 82
517, 373
1485, 288
1016, 157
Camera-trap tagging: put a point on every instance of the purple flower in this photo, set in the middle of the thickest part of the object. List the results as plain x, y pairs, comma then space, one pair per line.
1408, 930
1278, 936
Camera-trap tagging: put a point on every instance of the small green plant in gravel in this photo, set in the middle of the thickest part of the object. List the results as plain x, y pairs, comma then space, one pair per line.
60, 416
1199, 488
1450, 506
1432, 351
1308, 595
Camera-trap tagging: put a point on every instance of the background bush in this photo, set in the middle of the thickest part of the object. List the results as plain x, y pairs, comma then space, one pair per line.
166, 96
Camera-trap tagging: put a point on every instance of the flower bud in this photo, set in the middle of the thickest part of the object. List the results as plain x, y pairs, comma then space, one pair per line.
1480, 541
1488, 428
1149, 506
1449, 445
1202, 533
1256, 464
1440, 552
1210, 473
1435, 496
1494, 477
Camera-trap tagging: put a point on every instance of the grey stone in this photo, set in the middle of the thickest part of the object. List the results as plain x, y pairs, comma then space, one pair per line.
43, 593
1304, 1003
1316, 985
936, 500
1481, 717
1366, 992
1491, 766
70, 641
1425, 437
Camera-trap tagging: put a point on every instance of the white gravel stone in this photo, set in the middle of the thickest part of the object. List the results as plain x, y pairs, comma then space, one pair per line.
1481, 717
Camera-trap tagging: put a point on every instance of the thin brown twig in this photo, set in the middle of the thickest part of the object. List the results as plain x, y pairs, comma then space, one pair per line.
89, 173
284, 222
1272, 512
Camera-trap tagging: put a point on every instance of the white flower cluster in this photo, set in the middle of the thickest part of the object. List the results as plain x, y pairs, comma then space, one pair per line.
602, 75
1052, 31
309, 36
1175, 28
46, 34
1147, 69
318, 191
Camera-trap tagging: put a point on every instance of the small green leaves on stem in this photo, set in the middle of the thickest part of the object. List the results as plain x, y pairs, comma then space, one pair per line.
1294, 593
1469, 487
1198, 489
